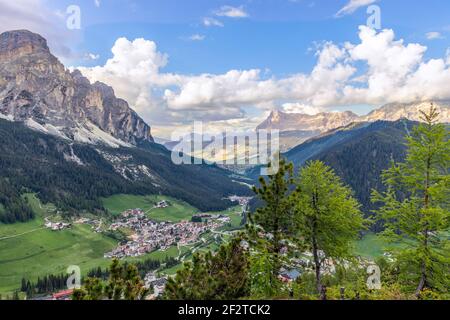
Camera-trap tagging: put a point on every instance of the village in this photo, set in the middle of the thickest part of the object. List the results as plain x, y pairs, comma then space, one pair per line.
146, 235
149, 235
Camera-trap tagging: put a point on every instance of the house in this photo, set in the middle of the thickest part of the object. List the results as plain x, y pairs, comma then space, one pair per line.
162, 204
290, 275
63, 295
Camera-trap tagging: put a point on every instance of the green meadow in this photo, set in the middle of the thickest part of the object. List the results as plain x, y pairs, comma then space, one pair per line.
177, 211
29, 250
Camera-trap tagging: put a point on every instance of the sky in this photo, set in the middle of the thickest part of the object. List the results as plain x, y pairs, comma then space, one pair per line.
229, 63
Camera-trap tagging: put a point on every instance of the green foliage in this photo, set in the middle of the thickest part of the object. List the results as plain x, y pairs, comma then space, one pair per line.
415, 206
275, 217
327, 216
262, 283
212, 277
35, 162
13, 208
124, 283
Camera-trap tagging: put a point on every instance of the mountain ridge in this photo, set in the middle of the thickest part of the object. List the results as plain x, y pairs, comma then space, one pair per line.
35, 87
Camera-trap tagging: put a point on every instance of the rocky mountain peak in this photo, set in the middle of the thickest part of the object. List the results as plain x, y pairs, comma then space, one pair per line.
37, 89
21, 42
304, 122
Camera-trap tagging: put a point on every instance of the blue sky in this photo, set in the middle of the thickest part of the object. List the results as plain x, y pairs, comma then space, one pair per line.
276, 35
232, 62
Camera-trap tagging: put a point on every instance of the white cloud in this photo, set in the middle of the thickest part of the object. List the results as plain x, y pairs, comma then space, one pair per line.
434, 35
211, 22
392, 71
133, 72
97, 3
197, 37
231, 12
300, 108
352, 6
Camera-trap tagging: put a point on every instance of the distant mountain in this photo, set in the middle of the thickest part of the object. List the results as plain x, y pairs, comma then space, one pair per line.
303, 122
37, 89
410, 111
358, 153
300, 127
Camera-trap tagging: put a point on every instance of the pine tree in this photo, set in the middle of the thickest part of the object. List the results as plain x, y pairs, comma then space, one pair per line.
275, 216
415, 207
327, 216
212, 277
124, 283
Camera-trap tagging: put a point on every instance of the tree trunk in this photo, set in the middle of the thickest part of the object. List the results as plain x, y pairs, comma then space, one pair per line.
342, 292
315, 248
317, 266
423, 268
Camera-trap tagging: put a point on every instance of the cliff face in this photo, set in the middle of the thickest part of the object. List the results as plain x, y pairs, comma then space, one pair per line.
410, 111
295, 121
37, 89
323, 122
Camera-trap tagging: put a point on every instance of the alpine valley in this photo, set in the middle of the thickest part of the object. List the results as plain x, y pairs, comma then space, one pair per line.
83, 180
72, 142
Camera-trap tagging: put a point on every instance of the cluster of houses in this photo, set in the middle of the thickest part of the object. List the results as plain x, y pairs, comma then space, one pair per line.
56, 226
149, 235
133, 213
243, 201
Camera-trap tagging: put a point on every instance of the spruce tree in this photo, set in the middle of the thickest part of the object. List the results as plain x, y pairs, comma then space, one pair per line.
415, 205
224, 275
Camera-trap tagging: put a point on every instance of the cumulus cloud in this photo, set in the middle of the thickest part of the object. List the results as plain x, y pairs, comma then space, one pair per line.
392, 71
231, 12
300, 108
352, 6
133, 72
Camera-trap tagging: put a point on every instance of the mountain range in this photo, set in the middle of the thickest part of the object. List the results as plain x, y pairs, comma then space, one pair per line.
296, 128
72, 142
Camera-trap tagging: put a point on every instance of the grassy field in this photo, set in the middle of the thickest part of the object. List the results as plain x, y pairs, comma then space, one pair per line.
28, 250
177, 211
373, 246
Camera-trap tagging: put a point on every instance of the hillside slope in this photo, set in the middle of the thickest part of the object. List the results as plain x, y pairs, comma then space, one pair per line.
74, 176
358, 153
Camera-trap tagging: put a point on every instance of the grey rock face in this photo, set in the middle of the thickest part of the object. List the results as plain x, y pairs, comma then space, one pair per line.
295, 121
36, 87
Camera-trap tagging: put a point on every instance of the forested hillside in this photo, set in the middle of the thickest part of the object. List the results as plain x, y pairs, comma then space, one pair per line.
358, 154
74, 176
